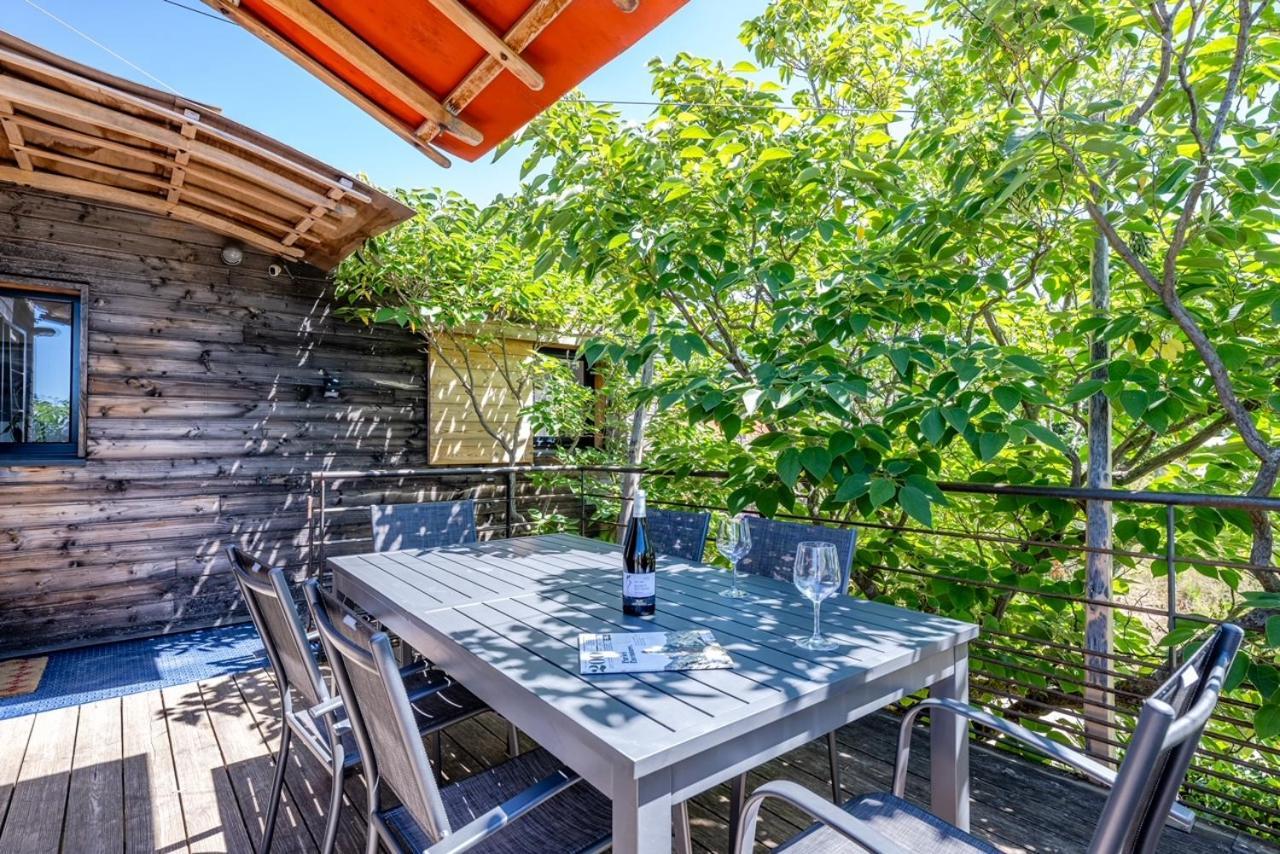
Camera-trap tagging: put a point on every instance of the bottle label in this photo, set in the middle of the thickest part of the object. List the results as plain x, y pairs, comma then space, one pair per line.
639, 585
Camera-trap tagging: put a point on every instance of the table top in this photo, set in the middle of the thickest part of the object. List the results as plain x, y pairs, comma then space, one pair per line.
505, 616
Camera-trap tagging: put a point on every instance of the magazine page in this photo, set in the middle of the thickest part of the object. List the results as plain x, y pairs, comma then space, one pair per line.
649, 652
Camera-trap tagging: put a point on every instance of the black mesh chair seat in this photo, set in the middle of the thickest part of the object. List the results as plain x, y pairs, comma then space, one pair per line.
678, 534
579, 820
898, 821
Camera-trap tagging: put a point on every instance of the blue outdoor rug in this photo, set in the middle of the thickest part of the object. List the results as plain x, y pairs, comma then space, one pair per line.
92, 673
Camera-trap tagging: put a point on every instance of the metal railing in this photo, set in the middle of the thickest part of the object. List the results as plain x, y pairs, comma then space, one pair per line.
1039, 677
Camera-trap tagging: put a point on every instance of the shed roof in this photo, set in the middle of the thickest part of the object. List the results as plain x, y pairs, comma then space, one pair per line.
446, 74
73, 129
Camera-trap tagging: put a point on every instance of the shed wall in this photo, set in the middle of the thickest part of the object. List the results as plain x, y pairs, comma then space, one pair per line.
206, 412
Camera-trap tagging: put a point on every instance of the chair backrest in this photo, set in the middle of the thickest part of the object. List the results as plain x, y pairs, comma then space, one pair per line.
1156, 761
428, 525
378, 708
678, 534
274, 613
773, 547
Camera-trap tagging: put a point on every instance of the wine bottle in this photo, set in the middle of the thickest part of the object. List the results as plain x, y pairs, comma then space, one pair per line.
639, 565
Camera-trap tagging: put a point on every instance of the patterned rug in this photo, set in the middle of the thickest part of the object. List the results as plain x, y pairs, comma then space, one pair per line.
91, 673
21, 676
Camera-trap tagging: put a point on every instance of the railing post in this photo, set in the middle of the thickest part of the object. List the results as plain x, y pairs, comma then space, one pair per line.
582, 501
1171, 576
511, 502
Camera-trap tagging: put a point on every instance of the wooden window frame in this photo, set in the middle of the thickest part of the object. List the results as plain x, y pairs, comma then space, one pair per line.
75, 451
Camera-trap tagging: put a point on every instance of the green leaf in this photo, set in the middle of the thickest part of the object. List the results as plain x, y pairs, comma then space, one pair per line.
854, 486
1134, 401
1007, 397
1044, 435
1082, 390
933, 426
990, 444
1266, 721
789, 467
1273, 631
1083, 24
817, 461
882, 490
916, 504
901, 360
1239, 669
958, 418
770, 154
732, 426
680, 349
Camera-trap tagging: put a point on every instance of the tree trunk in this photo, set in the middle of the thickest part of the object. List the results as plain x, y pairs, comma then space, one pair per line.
1099, 719
636, 441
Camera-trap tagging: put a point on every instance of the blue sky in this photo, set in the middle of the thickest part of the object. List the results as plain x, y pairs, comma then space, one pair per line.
217, 63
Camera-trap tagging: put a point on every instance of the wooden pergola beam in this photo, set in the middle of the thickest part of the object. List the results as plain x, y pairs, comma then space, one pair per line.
142, 201
528, 27
178, 169
330, 32
13, 135
170, 116
479, 31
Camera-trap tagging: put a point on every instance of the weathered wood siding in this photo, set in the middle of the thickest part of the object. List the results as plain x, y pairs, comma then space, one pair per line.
206, 413
458, 436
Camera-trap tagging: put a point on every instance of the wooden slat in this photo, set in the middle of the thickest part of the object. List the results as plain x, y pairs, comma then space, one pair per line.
330, 32
102, 192
181, 158
13, 135
521, 34
14, 734
33, 824
95, 805
213, 819
480, 32
419, 141
152, 805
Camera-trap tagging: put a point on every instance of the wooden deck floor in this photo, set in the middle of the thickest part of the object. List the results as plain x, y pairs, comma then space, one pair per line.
187, 769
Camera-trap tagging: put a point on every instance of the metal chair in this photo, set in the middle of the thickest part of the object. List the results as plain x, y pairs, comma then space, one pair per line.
428, 525
773, 555
1141, 802
527, 804
319, 720
679, 534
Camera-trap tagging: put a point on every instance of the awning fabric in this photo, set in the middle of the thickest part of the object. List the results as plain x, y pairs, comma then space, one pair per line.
458, 76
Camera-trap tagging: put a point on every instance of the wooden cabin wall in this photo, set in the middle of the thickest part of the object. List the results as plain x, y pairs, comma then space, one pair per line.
457, 436
206, 412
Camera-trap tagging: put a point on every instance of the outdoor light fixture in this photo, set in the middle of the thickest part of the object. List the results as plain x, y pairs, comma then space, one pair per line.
232, 255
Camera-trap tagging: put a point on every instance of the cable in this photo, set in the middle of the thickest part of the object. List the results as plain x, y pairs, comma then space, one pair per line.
207, 14
101, 46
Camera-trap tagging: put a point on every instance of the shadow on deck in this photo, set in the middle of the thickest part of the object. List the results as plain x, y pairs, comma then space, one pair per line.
187, 768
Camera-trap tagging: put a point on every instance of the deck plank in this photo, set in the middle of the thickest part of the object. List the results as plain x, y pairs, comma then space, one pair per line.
250, 767
306, 782
95, 801
209, 804
34, 821
152, 805
14, 734
215, 741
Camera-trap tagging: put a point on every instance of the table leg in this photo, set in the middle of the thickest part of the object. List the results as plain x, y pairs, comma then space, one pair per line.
949, 747
683, 844
642, 813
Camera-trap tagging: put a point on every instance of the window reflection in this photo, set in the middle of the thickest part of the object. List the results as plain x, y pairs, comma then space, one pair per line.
36, 353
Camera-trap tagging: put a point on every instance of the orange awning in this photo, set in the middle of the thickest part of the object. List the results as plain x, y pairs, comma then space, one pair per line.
457, 75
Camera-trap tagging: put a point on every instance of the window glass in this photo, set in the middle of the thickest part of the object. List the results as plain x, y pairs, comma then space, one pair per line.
37, 354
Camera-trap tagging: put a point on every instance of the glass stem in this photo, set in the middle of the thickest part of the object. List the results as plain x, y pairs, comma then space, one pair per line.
735, 575
817, 611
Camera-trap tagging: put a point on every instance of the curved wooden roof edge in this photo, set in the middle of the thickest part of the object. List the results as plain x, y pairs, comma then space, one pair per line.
77, 130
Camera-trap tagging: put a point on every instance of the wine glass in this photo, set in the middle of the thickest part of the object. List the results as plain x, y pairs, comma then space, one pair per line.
734, 543
817, 576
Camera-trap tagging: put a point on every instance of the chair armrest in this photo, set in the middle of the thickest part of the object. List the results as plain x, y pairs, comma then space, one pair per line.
328, 707
818, 808
488, 823
1179, 815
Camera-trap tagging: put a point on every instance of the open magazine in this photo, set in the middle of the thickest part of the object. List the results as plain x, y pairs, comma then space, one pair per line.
649, 652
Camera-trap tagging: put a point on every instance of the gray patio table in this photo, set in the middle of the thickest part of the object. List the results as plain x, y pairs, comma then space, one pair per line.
504, 617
